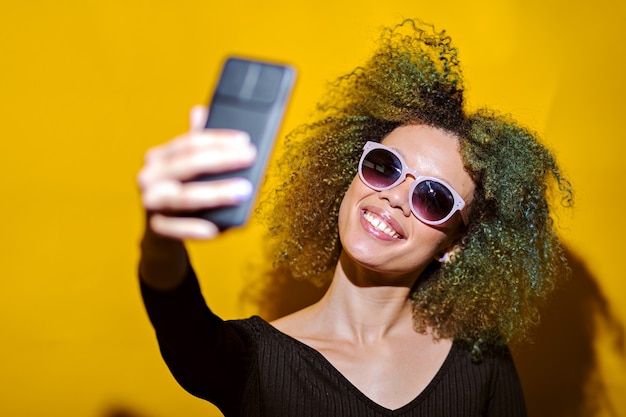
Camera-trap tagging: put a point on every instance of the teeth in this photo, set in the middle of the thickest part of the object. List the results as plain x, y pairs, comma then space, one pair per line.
380, 225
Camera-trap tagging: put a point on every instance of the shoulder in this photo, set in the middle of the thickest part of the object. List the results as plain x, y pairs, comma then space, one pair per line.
249, 328
494, 370
493, 356
256, 331
297, 324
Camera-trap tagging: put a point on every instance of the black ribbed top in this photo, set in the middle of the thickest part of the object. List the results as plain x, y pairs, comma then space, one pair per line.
249, 368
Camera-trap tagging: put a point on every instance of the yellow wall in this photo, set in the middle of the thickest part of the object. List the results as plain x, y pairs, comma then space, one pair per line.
87, 86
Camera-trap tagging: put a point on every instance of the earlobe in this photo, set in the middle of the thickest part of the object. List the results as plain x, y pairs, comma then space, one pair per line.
442, 257
449, 254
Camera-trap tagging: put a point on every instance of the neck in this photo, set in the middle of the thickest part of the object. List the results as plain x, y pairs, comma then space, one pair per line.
365, 305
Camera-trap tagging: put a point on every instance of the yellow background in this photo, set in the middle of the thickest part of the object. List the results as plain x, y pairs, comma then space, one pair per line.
88, 86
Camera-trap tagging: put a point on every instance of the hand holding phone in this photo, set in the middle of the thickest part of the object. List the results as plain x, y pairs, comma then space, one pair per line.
250, 96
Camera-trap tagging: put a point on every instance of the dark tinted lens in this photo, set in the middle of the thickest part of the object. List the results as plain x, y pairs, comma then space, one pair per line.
381, 168
432, 200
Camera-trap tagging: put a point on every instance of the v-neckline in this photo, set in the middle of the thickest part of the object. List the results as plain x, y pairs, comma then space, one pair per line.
367, 400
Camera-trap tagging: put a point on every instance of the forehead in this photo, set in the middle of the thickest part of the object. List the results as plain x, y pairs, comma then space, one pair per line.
433, 152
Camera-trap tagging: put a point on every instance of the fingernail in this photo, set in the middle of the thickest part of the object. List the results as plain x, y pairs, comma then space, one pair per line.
242, 136
206, 231
242, 189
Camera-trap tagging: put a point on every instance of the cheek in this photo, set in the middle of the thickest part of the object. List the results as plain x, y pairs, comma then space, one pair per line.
426, 241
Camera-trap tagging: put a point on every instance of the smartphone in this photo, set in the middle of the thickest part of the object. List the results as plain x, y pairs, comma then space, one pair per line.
250, 95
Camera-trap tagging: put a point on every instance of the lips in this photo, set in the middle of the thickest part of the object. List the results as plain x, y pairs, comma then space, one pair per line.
382, 224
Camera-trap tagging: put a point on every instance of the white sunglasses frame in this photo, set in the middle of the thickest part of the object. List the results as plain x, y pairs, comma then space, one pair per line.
458, 205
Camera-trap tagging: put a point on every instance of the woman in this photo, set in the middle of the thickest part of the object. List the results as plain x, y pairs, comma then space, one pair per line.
431, 224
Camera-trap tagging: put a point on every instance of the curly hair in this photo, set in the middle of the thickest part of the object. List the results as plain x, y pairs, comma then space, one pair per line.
509, 257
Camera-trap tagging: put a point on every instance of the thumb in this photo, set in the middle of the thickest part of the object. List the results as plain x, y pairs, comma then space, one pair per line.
197, 118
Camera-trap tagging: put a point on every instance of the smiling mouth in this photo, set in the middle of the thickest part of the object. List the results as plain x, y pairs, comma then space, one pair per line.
380, 224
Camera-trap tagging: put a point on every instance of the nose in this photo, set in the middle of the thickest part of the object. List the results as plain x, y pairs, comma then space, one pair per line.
398, 196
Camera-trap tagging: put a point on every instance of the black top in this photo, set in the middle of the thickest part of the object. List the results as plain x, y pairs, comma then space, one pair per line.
249, 368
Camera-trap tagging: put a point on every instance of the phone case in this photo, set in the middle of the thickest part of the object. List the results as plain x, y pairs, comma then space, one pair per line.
251, 96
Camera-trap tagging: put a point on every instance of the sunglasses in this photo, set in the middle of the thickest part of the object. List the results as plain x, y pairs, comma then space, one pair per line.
433, 201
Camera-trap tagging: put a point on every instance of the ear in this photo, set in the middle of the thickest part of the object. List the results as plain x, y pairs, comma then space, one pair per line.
449, 254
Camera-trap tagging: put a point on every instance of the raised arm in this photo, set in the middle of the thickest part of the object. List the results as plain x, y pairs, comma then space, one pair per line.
204, 353
165, 193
